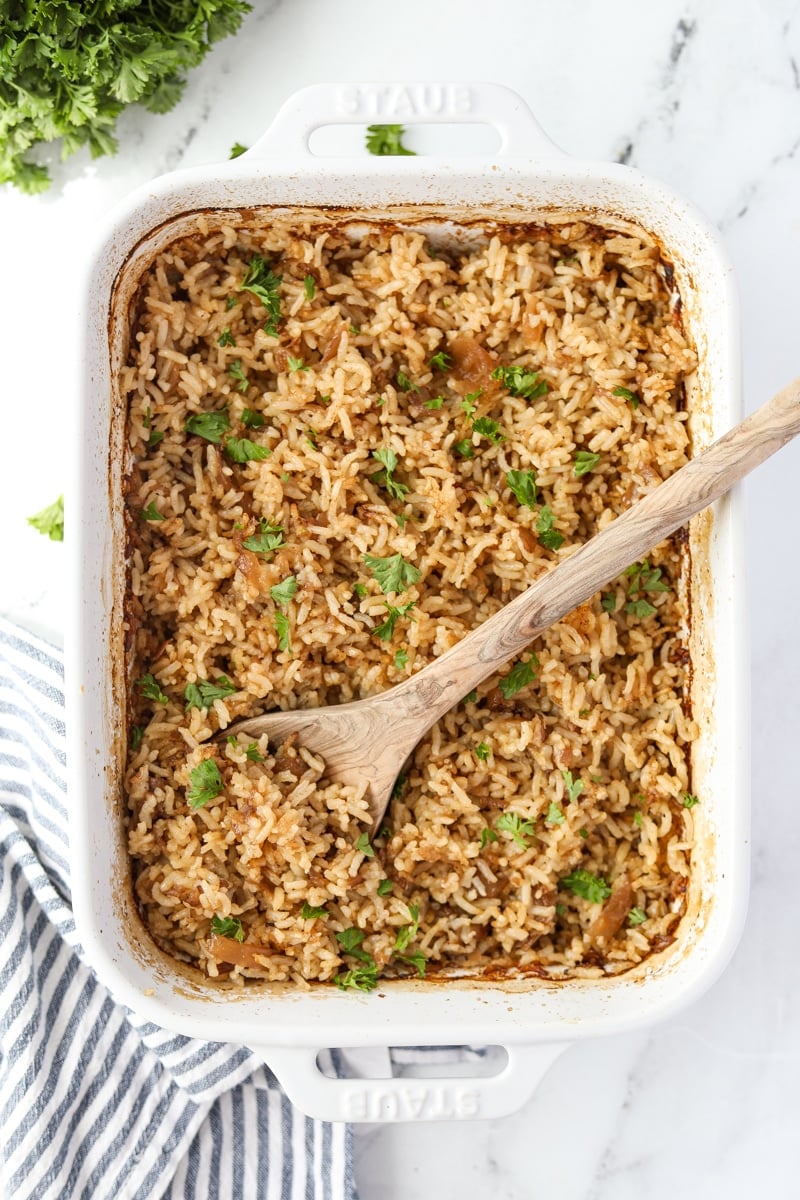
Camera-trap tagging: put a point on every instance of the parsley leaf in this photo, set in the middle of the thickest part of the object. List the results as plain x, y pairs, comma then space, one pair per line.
384, 887
151, 513
252, 419
359, 589
407, 933
520, 676
150, 688
464, 448
237, 150
242, 450
587, 886
203, 693
573, 787
523, 486
386, 630
555, 814
135, 739
399, 787
386, 139
268, 540
515, 825
609, 602
468, 405
235, 371
481, 751
405, 384
229, 927
435, 404
585, 461
307, 913
208, 425
50, 521
644, 578
628, 395
490, 429
417, 960
363, 846
253, 754
385, 478
362, 979
393, 574
351, 941
400, 659
262, 282
155, 437
440, 361
284, 591
640, 608
689, 800
226, 337
310, 287
548, 536
283, 632
636, 916
470, 697
487, 836
296, 364
520, 381
206, 784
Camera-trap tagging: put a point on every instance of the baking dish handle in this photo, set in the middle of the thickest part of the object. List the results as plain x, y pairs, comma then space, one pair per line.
386, 1101
408, 104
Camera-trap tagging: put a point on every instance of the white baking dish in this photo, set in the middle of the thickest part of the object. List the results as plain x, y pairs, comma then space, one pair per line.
529, 179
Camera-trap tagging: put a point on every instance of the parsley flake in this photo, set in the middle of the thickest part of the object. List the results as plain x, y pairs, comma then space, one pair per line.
203, 693
440, 361
136, 735
515, 825
573, 787
523, 486
585, 461
636, 916
310, 287
208, 425
253, 754
226, 337
628, 395
267, 541
229, 927
400, 659
386, 630
520, 676
206, 784
235, 371
282, 629
487, 836
237, 150
307, 913
384, 887
151, 513
361, 979
385, 478
284, 591
393, 574
296, 364
252, 419
587, 886
481, 751
548, 536
261, 282
520, 381
150, 688
555, 814
464, 448
242, 450
405, 384
363, 846
468, 405
689, 801
489, 429
435, 404
386, 140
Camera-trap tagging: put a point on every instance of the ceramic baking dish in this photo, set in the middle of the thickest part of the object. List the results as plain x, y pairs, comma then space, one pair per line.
528, 179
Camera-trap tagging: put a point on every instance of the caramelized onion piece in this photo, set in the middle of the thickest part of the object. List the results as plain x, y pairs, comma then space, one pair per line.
614, 912
241, 954
472, 365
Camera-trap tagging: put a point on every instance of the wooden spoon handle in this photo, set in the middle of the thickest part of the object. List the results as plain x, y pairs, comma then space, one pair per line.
632, 535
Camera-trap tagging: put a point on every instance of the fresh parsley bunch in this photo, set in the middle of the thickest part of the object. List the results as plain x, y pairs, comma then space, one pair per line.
69, 67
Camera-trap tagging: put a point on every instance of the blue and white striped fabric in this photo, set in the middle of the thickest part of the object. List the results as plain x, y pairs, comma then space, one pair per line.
93, 1103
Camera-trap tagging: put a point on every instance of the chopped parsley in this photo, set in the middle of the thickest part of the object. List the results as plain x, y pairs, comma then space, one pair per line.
206, 784
253, 754
520, 381
516, 826
263, 283
307, 913
637, 818
585, 461
364, 847
489, 429
470, 697
267, 541
642, 578
407, 933
229, 927
350, 940
640, 608
573, 787
397, 791
226, 337
252, 419
548, 536
386, 631
405, 384
359, 589
464, 448
400, 659
284, 591
587, 886
487, 835
231, 302
283, 632
135, 739
628, 395
208, 425
384, 887
237, 150
434, 404
150, 688
468, 405
393, 574
520, 676
310, 287
636, 916
385, 478
481, 751
154, 438
523, 486
361, 979
440, 361
203, 693
417, 959
242, 450
296, 364
608, 601
235, 371
151, 513
386, 140
555, 814
689, 801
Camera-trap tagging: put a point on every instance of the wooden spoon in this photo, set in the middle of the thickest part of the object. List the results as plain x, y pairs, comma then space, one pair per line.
371, 739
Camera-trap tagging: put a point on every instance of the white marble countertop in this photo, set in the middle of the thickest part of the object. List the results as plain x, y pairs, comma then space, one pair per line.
705, 95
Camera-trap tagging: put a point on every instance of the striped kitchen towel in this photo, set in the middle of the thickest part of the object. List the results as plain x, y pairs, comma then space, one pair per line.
95, 1104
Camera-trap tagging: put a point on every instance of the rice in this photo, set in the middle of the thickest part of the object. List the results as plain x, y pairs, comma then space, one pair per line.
541, 828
